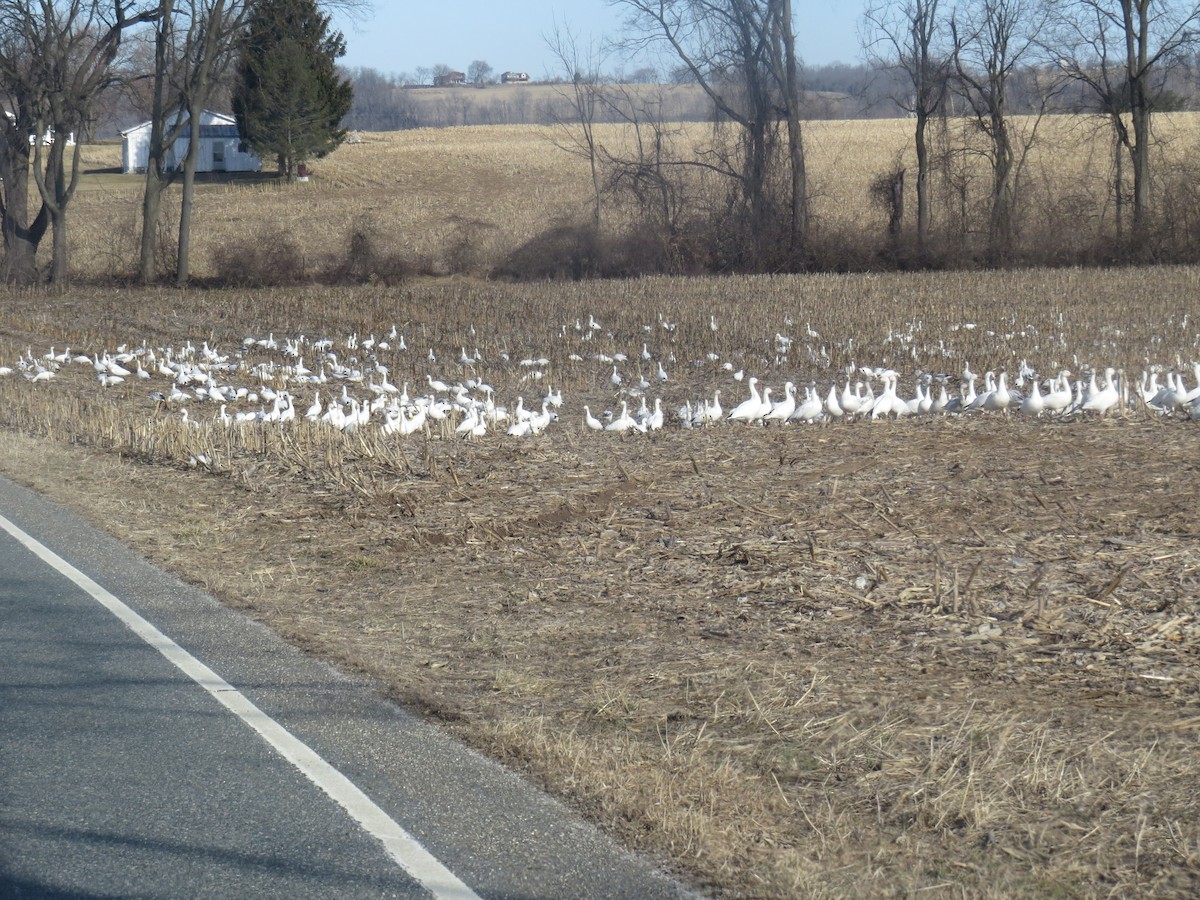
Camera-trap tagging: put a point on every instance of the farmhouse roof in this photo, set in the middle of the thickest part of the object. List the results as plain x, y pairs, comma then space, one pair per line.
212, 124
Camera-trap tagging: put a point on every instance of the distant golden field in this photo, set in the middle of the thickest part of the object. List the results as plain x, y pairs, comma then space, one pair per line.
484, 191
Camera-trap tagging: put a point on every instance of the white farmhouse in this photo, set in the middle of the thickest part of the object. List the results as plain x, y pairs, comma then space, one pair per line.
219, 142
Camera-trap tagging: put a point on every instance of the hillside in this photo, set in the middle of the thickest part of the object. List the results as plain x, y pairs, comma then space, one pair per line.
545, 104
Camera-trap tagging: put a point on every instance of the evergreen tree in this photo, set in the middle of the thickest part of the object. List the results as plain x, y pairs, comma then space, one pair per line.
289, 100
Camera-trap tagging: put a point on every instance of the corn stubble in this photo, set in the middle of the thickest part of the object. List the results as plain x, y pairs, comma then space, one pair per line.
948, 656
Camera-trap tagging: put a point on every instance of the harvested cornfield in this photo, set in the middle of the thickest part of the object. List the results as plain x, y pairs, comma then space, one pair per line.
463, 200
937, 654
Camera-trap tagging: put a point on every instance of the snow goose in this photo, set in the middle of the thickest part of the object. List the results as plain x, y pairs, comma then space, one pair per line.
624, 422
751, 409
1000, 396
712, 411
812, 407
591, 422
1102, 400
314, 412
782, 411
924, 399
1059, 396
832, 406
1033, 404
942, 401
654, 421
980, 400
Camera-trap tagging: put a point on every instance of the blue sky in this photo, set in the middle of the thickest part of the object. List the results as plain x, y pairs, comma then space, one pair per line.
400, 36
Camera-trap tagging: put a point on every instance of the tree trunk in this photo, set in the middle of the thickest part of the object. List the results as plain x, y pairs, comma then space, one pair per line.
21, 238
1000, 227
923, 212
59, 259
1138, 23
1119, 182
183, 257
152, 198
60, 271
1141, 161
20, 257
151, 206
896, 207
799, 210
755, 181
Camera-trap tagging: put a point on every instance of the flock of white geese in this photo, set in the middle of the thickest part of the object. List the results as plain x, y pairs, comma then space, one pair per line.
347, 387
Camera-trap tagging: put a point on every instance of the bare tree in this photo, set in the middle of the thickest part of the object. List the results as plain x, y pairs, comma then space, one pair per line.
583, 93
1121, 52
742, 55
991, 40
55, 58
195, 42
479, 72
911, 39
22, 97
647, 169
781, 54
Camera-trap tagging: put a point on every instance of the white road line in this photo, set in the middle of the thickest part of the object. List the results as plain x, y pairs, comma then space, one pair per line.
408, 853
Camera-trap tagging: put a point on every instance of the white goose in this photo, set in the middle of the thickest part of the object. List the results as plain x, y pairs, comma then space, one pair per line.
591, 422
852, 401
811, 409
1000, 397
1102, 401
751, 409
832, 406
712, 411
624, 422
782, 411
1059, 397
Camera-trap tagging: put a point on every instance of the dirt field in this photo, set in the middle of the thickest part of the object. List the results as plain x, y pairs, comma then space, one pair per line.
953, 656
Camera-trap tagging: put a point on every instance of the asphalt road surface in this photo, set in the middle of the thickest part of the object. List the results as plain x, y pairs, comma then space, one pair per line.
156, 744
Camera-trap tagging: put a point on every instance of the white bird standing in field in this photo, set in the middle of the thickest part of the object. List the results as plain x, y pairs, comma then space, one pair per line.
751, 409
1033, 404
782, 411
1102, 400
624, 422
832, 406
999, 398
810, 410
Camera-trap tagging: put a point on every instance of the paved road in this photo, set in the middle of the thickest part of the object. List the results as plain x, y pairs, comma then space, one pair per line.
120, 775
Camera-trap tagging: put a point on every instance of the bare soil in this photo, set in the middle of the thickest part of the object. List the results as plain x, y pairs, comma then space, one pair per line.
948, 656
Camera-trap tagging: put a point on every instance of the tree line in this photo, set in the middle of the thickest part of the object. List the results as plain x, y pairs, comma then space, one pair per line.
61, 60
959, 70
962, 67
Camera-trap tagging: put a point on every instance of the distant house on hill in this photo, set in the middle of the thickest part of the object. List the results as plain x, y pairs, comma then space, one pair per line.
514, 77
220, 144
449, 79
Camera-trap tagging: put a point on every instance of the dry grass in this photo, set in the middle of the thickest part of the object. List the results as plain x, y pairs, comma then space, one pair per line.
952, 656
463, 199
